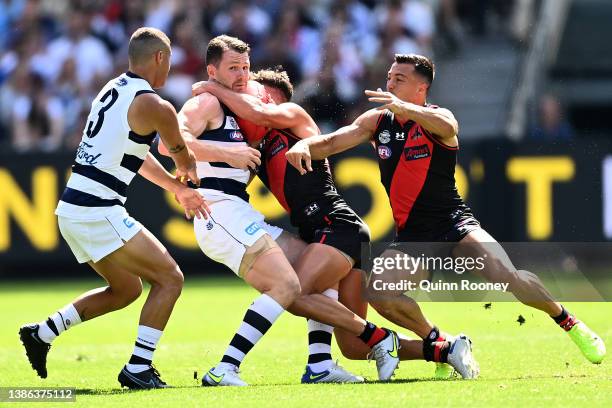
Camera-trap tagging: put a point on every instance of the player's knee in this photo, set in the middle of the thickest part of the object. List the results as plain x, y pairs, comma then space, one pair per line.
133, 292
126, 294
176, 280
293, 288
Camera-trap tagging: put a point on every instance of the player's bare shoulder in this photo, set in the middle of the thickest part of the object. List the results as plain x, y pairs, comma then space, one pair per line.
201, 112
144, 111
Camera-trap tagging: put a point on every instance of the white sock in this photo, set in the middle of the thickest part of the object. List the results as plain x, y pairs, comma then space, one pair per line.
319, 341
145, 345
58, 323
260, 316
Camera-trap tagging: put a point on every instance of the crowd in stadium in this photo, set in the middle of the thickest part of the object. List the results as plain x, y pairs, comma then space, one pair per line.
56, 54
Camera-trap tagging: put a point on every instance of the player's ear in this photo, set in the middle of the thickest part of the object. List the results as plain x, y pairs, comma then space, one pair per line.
210, 70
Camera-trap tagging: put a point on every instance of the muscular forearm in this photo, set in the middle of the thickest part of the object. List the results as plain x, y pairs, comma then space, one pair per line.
153, 171
323, 146
243, 105
208, 152
436, 121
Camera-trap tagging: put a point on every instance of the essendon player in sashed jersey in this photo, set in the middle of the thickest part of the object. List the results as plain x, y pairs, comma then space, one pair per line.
418, 173
419, 177
316, 208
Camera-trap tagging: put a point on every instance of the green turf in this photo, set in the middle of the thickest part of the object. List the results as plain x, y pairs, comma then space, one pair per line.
530, 365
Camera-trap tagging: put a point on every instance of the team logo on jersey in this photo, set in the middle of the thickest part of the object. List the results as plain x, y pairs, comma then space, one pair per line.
232, 122
400, 136
416, 152
121, 82
417, 133
276, 146
384, 152
253, 228
209, 225
384, 136
311, 209
236, 136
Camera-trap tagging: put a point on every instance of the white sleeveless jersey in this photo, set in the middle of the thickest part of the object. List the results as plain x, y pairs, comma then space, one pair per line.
219, 180
109, 154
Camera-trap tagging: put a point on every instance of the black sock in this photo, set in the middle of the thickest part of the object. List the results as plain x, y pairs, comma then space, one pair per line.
372, 334
429, 345
565, 320
564, 314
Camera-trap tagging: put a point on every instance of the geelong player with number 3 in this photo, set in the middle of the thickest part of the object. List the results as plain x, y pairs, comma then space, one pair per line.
124, 118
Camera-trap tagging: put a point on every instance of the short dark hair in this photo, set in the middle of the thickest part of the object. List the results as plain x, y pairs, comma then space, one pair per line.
221, 43
276, 78
145, 42
422, 65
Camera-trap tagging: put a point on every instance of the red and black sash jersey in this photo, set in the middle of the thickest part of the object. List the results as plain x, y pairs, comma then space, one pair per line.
418, 173
292, 190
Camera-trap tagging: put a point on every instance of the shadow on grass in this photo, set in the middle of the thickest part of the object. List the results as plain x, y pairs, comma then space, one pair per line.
119, 391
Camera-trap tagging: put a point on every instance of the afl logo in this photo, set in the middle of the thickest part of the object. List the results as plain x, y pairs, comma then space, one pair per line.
384, 152
384, 136
236, 136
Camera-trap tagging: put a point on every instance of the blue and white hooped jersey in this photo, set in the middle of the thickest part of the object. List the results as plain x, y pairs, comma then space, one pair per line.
219, 180
109, 154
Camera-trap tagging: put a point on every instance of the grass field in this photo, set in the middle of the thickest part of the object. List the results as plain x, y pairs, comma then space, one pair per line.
533, 364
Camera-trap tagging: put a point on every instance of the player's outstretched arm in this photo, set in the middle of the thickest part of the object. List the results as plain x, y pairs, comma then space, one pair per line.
439, 121
191, 200
322, 146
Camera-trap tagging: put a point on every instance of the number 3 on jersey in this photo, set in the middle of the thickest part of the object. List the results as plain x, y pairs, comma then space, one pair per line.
114, 95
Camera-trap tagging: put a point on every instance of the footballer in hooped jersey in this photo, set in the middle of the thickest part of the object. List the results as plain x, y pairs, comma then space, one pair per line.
124, 119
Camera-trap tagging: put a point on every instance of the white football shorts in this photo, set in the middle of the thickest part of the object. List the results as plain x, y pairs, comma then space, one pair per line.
95, 239
232, 226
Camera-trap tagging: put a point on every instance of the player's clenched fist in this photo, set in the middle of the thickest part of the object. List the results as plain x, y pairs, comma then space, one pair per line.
299, 157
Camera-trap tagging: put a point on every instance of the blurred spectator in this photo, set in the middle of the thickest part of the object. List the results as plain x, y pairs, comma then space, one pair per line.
37, 117
332, 50
92, 58
552, 125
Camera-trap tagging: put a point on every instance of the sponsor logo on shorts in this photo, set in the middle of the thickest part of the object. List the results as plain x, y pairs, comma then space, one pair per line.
384, 136
311, 209
416, 152
253, 228
128, 222
236, 136
384, 152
